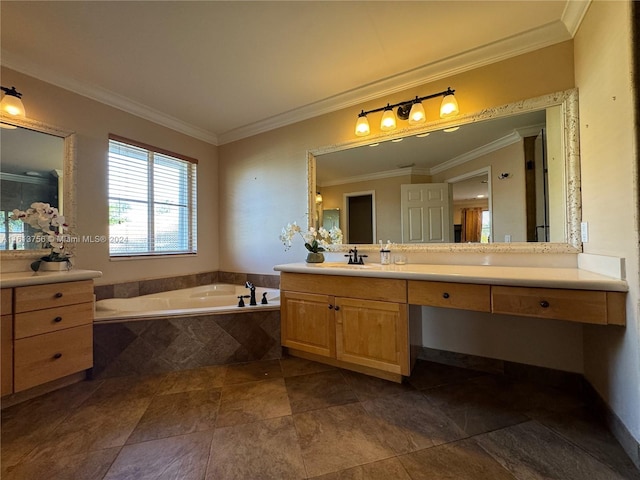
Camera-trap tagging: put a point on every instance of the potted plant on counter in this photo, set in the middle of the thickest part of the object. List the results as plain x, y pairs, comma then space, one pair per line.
45, 218
315, 241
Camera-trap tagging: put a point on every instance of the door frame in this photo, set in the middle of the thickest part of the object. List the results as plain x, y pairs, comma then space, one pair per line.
476, 173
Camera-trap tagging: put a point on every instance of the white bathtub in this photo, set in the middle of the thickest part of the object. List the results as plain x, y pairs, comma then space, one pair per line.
205, 300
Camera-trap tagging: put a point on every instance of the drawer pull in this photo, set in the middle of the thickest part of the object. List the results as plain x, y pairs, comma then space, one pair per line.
57, 356
57, 319
58, 295
337, 308
330, 307
544, 304
445, 295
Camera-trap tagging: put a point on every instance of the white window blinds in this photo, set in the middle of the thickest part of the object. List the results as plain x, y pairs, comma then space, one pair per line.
152, 200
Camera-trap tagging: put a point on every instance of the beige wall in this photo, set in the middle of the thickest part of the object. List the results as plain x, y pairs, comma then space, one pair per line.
92, 122
610, 194
507, 196
387, 203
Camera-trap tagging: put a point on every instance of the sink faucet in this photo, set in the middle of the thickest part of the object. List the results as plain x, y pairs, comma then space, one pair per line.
355, 259
252, 288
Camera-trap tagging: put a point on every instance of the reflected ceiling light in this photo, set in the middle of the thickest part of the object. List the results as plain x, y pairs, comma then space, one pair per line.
11, 102
318, 197
411, 110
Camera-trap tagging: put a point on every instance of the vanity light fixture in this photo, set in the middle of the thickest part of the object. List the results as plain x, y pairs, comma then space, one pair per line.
411, 110
318, 197
11, 102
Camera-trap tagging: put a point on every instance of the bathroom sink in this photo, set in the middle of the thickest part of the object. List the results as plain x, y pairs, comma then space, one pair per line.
367, 266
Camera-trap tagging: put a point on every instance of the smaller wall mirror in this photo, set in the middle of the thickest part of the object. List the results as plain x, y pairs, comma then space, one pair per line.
37, 165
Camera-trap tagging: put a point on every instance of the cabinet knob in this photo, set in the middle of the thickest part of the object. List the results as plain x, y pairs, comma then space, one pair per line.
57, 356
544, 304
58, 295
337, 308
445, 295
330, 307
57, 319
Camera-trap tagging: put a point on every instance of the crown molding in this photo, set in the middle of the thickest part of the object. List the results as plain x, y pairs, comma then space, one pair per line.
525, 42
573, 14
505, 141
529, 41
107, 97
400, 172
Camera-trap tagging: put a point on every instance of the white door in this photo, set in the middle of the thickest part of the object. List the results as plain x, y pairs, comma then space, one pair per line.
427, 213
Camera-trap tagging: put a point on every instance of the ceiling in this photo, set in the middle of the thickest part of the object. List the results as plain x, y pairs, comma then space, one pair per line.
221, 71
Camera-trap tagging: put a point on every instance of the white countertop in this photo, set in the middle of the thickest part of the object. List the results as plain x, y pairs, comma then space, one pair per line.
22, 279
573, 278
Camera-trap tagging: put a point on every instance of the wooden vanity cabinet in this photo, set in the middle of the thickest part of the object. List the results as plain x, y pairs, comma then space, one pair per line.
357, 323
52, 332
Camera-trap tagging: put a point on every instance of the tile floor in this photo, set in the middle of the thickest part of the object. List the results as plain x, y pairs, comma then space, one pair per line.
294, 419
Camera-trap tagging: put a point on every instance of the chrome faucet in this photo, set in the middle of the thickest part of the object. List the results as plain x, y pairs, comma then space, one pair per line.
252, 288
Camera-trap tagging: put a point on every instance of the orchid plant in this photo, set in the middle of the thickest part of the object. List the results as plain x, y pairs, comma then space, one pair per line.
42, 216
315, 241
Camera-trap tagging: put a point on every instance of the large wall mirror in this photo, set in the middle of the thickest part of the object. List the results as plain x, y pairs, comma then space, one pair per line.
37, 165
503, 179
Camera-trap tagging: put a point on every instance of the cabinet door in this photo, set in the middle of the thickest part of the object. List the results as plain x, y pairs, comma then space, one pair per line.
308, 323
373, 334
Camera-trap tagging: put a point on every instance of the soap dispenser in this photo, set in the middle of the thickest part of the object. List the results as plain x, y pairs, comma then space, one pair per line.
385, 253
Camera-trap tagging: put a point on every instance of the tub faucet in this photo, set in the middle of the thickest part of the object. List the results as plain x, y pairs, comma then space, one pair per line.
252, 288
241, 302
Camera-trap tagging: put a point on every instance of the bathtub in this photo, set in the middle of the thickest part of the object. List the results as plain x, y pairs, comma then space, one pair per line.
204, 300
184, 329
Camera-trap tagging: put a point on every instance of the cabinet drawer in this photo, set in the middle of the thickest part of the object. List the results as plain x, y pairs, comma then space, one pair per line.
584, 306
39, 297
383, 289
450, 295
6, 307
28, 324
47, 357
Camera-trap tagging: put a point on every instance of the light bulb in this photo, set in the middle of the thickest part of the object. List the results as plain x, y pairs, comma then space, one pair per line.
362, 126
449, 106
12, 105
388, 121
417, 114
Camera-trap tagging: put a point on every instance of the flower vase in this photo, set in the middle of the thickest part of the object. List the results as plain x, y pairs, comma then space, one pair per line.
55, 266
315, 257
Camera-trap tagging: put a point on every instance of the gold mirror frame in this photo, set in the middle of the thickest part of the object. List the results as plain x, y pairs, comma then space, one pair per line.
69, 169
567, 100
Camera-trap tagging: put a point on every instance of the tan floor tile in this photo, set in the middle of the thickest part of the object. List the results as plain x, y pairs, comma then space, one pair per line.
261, 450
183, 457
253, 401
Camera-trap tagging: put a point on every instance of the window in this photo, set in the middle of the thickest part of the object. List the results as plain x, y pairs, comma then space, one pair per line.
152, 200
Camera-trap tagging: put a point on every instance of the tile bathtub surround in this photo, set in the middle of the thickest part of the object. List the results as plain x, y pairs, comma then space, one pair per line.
163, 345
295, 419
157, 285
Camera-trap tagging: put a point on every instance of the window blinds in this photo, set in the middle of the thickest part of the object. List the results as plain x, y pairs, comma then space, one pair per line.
152, 200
